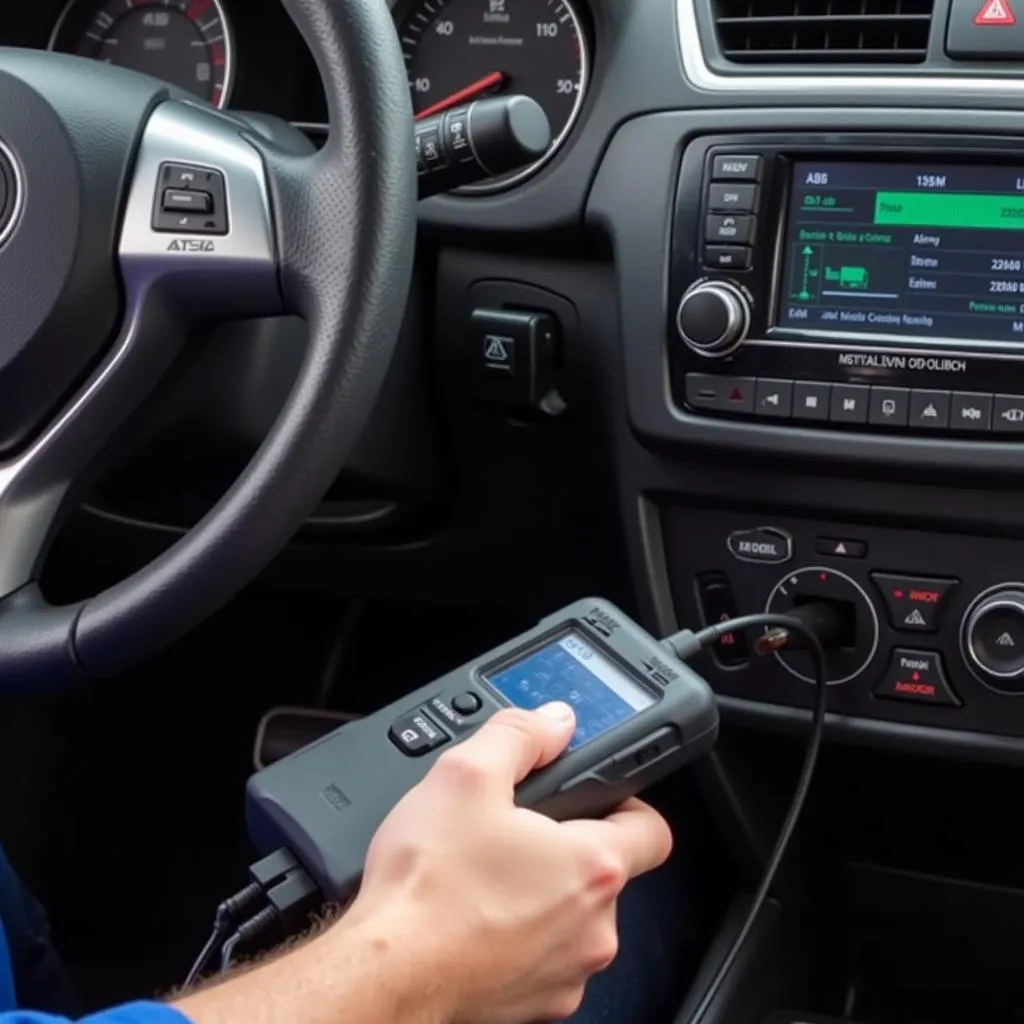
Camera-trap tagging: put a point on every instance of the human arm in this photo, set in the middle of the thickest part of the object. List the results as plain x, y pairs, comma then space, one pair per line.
472, 910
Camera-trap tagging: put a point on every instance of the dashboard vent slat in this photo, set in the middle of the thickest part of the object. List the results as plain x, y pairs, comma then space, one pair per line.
823, 31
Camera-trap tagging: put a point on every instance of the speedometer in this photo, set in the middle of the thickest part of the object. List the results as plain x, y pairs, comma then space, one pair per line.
458, 50
184, 42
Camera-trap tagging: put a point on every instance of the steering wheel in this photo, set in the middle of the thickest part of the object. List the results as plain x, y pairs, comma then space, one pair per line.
129, 210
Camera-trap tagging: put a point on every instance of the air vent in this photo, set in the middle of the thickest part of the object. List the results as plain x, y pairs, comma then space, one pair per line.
823, 31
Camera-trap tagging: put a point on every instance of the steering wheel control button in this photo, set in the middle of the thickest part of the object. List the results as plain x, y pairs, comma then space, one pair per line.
773, 398
416, 734
718, 604
467, 703
190, 200
993, 638
855, 646
726, 167
915, 604
917, 676
849, 403
766, 544
176, 199
985, 29
811, 400
841, 547
515, 353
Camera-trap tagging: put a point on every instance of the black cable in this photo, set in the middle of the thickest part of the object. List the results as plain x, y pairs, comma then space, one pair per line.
228, 951
685, 645
254, 928
226, 915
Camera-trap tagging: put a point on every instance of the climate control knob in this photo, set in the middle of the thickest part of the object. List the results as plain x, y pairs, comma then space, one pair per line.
993, 638
713, 318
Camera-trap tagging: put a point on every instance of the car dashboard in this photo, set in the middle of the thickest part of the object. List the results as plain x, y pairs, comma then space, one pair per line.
758, 316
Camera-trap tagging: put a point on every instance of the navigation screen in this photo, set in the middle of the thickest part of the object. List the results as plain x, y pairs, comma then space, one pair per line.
569, 669
906, 249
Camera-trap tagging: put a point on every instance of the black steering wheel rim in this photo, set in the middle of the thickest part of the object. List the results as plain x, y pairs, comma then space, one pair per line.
343, 222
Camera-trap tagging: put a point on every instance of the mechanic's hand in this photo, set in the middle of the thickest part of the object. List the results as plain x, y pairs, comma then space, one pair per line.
515, 911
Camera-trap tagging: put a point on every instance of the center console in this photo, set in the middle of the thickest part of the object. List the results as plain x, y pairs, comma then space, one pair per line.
934, 623
823, 327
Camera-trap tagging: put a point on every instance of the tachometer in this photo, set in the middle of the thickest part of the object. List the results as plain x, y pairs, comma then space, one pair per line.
458, 50
184, 42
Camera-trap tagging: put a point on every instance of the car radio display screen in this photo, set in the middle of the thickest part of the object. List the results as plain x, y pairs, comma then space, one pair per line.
905, 249
570, 669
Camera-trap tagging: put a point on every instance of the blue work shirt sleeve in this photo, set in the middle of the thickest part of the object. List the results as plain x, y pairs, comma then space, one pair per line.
129, 1013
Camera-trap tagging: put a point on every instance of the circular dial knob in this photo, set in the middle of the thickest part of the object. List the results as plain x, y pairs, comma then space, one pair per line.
993, 638
859, 641
713, 317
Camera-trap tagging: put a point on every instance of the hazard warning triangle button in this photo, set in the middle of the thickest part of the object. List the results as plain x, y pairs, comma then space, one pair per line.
985, 29
995, 12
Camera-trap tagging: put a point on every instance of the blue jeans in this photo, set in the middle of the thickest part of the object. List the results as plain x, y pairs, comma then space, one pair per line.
642, 985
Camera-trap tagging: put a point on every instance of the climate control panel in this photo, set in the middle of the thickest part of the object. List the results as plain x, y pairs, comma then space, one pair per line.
932, 629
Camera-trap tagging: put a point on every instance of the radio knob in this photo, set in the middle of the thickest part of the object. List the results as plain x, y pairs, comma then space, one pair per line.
993, 639
713, 318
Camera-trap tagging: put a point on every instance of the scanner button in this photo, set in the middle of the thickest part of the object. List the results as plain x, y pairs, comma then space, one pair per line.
416, 735
467, 703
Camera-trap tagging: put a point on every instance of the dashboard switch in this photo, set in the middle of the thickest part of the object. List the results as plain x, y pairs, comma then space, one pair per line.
765, 544
984, 29
515, 353
717, 604
190, 200
917, 676
915, 603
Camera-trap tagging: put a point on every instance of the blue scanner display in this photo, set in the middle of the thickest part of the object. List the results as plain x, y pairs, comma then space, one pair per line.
570, 669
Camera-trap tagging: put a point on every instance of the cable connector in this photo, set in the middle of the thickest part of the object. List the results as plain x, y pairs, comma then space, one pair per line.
288, 887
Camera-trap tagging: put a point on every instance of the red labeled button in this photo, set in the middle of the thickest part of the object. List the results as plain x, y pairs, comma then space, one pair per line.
915, 603
917, 676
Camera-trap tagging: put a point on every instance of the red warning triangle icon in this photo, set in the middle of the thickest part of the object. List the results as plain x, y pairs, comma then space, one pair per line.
995, 12
736, 395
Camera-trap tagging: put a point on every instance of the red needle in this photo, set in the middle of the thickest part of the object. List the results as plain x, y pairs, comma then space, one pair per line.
495, 78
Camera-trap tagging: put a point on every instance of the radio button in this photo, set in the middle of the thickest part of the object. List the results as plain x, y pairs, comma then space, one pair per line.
773, 398
736, 168
728, 257
1008, 414
849, 403
811, 400
930, 409
890, 407
720, 394
734, 198
970, 411
735, 228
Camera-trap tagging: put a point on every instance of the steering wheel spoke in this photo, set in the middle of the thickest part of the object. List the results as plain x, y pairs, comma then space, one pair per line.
228, 272
198, 223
